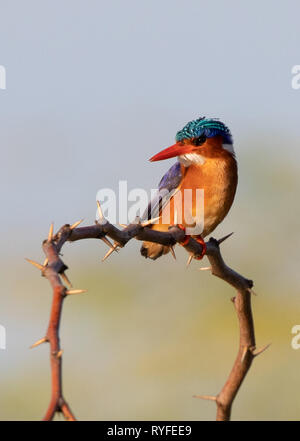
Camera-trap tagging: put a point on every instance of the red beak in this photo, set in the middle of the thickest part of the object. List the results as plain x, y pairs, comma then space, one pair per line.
174, 150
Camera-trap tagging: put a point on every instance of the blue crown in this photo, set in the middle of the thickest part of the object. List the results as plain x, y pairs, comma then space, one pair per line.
204, 126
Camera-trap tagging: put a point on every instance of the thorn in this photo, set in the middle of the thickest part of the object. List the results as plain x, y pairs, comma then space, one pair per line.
107, 242
45, 263
66, 279
224, 238
111, 250
76, 224
250, 290
245, 350
37, 265
189, 260
150, 221
101, 217
50, 234
76, 291
59, 353
259, 351
39, 342
206, 397
173, 252
206, 268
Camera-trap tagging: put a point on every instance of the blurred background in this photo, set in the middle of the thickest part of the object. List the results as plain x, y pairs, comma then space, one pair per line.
94, 89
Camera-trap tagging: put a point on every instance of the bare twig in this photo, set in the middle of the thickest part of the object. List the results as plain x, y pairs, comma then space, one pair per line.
54, 270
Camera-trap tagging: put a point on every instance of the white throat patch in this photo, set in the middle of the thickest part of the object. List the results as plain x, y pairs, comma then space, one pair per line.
191, 158
229, 148
194, 158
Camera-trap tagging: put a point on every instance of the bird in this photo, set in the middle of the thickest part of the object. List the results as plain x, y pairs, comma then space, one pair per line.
205, 161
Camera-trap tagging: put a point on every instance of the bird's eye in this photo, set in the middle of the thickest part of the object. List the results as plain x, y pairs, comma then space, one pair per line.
200, 140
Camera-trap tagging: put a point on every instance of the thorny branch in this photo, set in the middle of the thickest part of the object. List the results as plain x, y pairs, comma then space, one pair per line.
246, 352
54, 269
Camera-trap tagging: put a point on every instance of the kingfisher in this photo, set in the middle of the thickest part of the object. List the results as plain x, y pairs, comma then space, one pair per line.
205, 161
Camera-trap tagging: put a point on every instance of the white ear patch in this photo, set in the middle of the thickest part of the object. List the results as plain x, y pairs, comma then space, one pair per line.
228, 147
191, 158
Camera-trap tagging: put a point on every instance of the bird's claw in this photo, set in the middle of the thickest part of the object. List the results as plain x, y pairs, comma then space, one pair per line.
200, 240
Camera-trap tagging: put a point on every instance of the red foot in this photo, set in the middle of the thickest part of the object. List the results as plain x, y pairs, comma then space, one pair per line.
186, 239
200, 240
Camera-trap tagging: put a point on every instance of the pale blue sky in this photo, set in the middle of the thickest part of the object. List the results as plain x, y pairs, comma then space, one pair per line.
95, 88
92, 82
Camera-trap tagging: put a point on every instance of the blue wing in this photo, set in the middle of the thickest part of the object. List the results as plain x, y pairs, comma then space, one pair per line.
166, 188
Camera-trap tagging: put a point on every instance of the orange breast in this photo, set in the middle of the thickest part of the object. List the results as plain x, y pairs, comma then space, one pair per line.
217, 177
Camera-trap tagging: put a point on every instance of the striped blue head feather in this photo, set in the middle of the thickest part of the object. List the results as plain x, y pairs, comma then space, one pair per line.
204, 127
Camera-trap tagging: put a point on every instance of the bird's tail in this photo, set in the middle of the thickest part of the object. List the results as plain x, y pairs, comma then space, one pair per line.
153, 250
